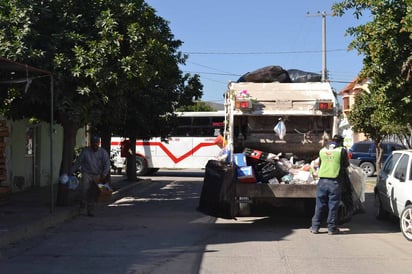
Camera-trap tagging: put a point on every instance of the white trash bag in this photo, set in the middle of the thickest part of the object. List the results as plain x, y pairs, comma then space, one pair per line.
280, 129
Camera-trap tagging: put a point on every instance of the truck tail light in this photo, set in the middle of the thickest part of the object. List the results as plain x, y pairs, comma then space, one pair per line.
324, 106
243, 104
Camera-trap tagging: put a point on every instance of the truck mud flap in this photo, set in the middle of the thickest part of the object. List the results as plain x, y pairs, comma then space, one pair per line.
217, 198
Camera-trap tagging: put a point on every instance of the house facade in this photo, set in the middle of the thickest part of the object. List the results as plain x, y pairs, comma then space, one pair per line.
25, 154
348, 95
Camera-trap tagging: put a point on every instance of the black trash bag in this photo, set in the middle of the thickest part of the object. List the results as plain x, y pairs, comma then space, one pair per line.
300, 76
217, 198
265, 171
344, 213
350, 204
281, 171
267, 74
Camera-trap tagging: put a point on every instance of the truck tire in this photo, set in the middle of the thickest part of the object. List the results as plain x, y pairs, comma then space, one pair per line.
368, 168
141, 166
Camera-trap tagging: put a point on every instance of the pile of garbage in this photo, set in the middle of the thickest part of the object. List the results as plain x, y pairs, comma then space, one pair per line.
256, 166
275, 73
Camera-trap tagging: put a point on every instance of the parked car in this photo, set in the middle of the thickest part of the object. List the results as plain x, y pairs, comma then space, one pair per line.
363, 154
393, 190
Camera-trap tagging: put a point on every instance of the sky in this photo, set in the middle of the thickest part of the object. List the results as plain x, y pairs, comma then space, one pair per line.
228, 38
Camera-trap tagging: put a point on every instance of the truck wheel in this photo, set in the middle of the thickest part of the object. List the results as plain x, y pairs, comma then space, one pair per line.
406, 222
141, 166
368, 168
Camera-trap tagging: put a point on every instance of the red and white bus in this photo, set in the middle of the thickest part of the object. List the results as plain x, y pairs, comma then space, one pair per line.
189, 145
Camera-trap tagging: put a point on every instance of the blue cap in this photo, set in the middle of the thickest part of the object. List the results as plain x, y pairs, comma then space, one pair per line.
95, 139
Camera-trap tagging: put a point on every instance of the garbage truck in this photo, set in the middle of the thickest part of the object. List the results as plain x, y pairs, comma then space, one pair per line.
286, 122
274, 132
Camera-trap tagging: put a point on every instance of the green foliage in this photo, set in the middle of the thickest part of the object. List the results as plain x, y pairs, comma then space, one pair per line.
385, 42
115, 64
98, 51
374, 115
198, 106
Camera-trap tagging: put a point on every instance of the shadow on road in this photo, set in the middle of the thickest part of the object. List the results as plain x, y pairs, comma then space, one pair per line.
161, 229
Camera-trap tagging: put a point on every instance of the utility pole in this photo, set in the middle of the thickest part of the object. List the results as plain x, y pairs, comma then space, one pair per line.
324, 68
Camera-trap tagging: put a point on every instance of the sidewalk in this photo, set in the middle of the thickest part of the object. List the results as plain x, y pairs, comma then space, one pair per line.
29, 213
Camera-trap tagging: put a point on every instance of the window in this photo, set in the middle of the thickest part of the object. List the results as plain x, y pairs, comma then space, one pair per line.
346, 105
361, 147
197, 126
389, 164
400, 171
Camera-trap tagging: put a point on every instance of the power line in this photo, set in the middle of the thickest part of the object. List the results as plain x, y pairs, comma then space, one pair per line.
260, 53
204, 66
213, 73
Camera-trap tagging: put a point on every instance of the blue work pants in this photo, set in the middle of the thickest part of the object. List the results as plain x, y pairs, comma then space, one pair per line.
328, 196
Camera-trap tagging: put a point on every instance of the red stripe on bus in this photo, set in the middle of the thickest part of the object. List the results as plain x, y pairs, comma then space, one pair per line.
170, 154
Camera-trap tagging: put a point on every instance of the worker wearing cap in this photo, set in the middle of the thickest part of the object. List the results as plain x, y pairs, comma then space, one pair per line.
94, 164
332, 159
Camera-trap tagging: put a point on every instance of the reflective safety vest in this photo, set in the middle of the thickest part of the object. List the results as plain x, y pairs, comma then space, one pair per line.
329, 162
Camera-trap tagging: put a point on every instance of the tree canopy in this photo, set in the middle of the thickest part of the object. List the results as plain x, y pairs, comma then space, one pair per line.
385, 43
115, 65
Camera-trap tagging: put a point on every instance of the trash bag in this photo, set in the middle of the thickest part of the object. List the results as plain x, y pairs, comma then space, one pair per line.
73, 182
280, 129
350, 201
217, 198
300, 76
267, 74
265, 171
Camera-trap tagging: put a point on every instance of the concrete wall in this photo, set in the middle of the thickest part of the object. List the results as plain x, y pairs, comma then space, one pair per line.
28, 154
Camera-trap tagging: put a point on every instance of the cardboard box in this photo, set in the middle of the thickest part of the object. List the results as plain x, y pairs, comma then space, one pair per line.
255, 154
246, 174
104, 196
239, 159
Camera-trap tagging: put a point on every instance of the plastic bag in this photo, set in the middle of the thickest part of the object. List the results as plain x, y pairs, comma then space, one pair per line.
73, 182
280, 129
224, 155
63, 179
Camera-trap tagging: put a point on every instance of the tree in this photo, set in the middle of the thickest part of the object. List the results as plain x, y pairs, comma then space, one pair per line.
385, 43
198, 106
109, 58
379, 111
